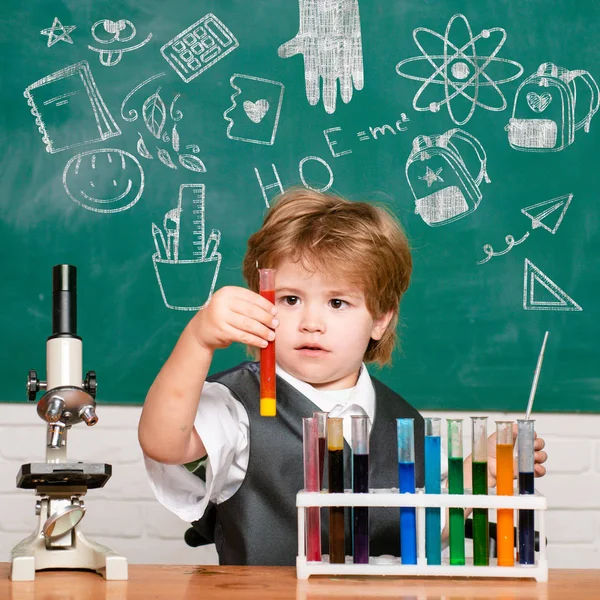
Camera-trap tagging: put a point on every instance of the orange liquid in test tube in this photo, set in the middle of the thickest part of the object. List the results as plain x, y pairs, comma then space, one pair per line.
506, 533
268, 407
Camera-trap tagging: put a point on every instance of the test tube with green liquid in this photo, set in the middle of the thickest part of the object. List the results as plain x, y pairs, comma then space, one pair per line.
480, 487
433, 459
456, 486
525, 440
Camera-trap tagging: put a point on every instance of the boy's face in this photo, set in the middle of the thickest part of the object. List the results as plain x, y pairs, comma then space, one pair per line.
324, 328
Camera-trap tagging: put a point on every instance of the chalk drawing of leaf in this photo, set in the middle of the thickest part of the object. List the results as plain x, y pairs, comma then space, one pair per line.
155, 114
142, 149
165, 158
175, 138
193, 163
176, 115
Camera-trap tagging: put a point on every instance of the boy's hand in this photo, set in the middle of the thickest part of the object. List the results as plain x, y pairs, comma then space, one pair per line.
540, 457
235, 314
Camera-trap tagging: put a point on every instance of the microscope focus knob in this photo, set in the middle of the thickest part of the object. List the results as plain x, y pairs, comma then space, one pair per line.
90, 385
33, 385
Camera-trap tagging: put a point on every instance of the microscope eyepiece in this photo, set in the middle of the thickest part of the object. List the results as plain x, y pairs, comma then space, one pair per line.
64, 300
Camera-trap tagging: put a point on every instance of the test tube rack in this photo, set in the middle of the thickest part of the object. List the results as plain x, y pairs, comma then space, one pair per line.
388, 565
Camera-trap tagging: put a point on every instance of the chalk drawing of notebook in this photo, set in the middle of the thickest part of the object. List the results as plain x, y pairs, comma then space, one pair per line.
69, 110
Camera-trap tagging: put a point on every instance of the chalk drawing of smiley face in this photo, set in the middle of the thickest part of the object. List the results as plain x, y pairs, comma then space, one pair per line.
105, 181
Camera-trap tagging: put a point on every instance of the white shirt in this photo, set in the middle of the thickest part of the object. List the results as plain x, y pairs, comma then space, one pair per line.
223, 425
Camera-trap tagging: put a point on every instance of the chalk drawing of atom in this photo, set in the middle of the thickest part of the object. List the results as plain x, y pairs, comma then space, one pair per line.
458, 67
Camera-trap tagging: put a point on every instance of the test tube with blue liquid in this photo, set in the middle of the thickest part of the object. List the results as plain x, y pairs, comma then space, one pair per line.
433, 453
406, 477
456, 486
480, 487
525, 440
360, 484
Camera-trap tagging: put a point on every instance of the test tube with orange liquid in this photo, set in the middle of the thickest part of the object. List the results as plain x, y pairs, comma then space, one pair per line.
268, 406
504, 487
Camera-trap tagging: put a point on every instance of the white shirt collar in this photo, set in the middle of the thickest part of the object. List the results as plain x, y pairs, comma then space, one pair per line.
361, 395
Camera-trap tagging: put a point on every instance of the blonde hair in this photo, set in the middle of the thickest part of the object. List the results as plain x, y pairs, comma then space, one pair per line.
359, 242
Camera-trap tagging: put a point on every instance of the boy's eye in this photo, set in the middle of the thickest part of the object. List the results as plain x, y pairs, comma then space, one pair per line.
337, 303
290, 300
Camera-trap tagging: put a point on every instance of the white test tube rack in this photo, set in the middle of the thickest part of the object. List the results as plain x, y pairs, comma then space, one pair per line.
388, 565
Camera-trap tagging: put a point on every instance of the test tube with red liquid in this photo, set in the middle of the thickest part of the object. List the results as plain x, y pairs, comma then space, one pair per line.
312, 484
268, 406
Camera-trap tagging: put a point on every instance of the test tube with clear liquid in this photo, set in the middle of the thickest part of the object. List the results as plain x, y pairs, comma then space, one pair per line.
312, 484
360, 484
433, 459
504, 487
406, 478
481, 538
456, 485
526, 460
322, 430
335, 466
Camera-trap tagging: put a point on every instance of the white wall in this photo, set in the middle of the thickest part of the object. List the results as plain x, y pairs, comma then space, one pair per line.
124, 515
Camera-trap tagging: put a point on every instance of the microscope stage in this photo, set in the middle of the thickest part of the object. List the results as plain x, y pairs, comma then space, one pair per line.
89, 475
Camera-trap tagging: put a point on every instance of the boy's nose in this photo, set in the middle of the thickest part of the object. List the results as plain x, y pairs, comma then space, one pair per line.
312, 322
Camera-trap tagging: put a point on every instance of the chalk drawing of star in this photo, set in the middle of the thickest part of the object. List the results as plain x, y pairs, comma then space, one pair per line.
432, 176
58, 26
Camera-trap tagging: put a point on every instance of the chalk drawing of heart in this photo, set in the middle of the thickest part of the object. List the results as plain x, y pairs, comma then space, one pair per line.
538, 102
256, 110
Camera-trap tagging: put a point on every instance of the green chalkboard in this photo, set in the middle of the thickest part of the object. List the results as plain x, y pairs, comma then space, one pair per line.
142, 142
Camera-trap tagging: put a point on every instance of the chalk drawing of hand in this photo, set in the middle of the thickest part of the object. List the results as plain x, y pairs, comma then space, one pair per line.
330, 40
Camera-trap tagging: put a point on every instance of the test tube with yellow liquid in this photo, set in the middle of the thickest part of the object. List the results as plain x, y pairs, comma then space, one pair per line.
268, 407
504, 487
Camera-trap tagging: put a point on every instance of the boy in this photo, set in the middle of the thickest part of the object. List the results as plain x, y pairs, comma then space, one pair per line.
341, 270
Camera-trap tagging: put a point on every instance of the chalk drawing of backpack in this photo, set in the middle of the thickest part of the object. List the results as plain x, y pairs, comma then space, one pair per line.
543, 117
443, 186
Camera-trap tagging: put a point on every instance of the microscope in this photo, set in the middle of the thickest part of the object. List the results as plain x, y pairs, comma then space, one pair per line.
59, 483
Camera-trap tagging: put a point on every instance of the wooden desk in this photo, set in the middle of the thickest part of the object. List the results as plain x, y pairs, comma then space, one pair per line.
149, 582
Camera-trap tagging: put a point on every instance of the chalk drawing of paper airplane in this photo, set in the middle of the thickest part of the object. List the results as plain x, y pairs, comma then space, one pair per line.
186, 265
199, 47
548, 214
541, 293
254, 114
69, 110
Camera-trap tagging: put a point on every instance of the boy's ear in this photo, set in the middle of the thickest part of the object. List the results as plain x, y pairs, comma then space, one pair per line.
381, 324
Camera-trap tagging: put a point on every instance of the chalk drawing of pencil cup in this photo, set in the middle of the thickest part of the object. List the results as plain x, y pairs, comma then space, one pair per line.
545, 109
186, 265
442, 184
189, 284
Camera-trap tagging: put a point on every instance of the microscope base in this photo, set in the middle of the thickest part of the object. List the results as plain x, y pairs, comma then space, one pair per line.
32, 555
